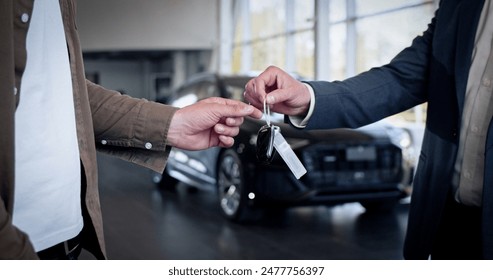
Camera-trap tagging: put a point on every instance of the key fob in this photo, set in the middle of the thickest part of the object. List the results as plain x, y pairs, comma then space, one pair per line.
265, 144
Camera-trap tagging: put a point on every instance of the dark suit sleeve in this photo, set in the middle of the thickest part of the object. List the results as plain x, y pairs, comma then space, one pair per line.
377, 93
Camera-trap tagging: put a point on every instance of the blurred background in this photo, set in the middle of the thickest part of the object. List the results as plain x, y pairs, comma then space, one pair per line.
163, 50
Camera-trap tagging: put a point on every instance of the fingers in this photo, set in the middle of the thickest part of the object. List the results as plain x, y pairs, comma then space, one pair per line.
224, 130
233, 108
255, 91
266, 86
234, 121
225, 141
283, 93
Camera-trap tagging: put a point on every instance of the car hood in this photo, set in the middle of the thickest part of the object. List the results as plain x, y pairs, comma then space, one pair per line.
376, 132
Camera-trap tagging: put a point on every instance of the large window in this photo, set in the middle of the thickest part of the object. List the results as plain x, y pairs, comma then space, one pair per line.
358, 35
274, 32
382, 34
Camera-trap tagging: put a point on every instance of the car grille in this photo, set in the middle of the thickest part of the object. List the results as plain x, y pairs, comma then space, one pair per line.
355, 166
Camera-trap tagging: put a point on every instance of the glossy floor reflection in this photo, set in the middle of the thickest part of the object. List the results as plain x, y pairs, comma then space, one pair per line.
142, 222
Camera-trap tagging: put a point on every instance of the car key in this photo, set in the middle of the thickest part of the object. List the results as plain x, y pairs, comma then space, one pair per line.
265, 144
270, 139
265, 139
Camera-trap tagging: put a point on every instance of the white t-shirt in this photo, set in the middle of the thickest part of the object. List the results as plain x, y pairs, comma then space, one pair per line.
47, 167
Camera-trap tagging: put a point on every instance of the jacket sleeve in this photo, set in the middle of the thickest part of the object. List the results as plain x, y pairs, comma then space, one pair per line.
377, 93
14, 245
132, 129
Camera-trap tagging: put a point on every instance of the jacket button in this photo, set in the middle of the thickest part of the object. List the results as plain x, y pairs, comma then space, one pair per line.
148, 145
25, 17
104, 142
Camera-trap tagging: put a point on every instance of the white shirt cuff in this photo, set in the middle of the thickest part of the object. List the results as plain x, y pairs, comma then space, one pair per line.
300, 122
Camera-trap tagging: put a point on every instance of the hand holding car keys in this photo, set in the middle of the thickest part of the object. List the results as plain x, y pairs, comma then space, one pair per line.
269, 139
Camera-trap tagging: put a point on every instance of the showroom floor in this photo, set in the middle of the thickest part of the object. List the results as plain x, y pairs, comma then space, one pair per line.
142, 222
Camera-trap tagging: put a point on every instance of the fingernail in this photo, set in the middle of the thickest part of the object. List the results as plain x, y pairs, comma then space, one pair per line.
220, 128
248, 109
270, 99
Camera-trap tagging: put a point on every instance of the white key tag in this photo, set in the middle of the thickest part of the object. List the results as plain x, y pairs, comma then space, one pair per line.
288, 154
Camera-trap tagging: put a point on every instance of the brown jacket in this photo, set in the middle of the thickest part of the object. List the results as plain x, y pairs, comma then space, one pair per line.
125, 125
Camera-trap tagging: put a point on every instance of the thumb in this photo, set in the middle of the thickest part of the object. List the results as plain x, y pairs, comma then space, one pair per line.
238, 109
231, 108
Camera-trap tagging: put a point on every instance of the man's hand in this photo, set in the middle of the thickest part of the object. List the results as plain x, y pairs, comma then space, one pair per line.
283, 93
210, 122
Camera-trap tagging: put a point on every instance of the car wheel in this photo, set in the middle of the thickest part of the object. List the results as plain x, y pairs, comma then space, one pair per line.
232, 190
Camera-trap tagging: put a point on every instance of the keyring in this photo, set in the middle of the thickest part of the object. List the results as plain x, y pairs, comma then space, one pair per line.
266, 112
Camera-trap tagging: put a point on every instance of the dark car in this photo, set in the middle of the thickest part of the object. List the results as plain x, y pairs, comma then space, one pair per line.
368, 165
